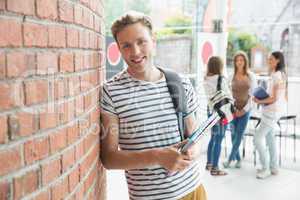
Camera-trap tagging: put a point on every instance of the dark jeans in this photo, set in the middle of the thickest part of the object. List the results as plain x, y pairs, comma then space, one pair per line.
238, 127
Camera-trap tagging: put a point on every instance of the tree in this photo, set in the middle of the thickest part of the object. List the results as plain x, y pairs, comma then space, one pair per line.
140, 5
240, 41
178, 24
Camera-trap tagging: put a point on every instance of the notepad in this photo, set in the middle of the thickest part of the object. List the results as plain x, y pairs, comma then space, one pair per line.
260, 93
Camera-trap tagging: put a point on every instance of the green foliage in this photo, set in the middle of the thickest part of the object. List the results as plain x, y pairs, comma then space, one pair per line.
240, 41
176, 25
140, 5
114, 9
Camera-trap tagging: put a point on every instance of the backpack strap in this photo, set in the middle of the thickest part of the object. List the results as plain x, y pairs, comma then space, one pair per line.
219, 84
178, 96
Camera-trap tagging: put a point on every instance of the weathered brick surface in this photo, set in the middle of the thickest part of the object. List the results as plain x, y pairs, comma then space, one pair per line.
50, 64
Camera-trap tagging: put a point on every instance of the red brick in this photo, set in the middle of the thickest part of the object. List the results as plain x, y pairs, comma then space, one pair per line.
80, 193
3, 130
23, 124
20, 64
88, 19
72, 38
10, 33
35, 35
2, 7
2, 65
66, 62
36, 149
72, 133
78, 14
50, 171
45, 195
5, 191
10, 160
36, 91
78, 61
88, 102
68, 159
57, 36
58, 140
25, 184
74, 85
11, 95
66, 111
60, 88
46, 9
66, 11
93, 5
95, 116
79, 151
24, 7
73, 179
60, 190
47, 63
48, 119
97, 24
83, 39
79, 105
90, 179
85, 2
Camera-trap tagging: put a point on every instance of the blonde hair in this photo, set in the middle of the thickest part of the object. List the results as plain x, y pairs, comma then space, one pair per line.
246, 61
129, 18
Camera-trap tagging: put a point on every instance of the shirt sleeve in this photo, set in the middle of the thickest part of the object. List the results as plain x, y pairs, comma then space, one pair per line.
107, 104
191, 97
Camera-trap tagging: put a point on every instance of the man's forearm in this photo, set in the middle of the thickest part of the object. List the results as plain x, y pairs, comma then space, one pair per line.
131, 159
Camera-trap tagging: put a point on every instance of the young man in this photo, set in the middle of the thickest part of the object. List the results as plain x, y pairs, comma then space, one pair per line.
140, 123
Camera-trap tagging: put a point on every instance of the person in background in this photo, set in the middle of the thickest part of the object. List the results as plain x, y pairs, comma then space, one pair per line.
243, 83
272, 109
213, 75
140, 123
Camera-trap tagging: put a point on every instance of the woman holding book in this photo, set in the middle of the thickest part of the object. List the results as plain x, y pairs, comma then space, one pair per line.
272, 108
243, 83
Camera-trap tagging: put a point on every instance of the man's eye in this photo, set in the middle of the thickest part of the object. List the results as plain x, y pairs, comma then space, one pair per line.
125, 46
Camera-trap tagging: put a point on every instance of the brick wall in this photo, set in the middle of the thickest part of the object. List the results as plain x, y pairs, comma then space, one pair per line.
51, 67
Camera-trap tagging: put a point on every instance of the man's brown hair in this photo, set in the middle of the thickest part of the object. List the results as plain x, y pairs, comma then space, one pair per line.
130, 18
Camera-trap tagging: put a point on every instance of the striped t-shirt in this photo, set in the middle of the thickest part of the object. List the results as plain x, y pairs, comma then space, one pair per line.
147, 120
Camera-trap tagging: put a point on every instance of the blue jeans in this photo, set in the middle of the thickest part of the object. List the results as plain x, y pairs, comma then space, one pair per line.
238, 127
214, 145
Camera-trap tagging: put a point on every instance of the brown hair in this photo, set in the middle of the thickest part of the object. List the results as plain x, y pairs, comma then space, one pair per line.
130, 18
214, 66
246, 61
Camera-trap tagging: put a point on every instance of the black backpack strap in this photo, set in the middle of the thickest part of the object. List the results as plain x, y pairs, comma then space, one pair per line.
219, 84
178, 96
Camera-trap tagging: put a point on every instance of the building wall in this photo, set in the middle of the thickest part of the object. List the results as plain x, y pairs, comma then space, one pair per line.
175, 53
51, 67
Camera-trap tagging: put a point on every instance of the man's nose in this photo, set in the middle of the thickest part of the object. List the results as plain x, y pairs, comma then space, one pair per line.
135, 50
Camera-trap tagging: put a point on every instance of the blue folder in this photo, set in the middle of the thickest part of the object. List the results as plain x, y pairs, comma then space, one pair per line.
260, 93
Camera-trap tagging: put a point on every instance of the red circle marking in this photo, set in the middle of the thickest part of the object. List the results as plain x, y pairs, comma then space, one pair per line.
113, 54
207, 51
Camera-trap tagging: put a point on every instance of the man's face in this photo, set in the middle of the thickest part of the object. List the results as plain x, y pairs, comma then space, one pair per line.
136, 45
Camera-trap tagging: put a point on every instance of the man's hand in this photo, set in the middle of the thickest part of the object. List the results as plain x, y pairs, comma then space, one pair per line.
171, 159
193, 151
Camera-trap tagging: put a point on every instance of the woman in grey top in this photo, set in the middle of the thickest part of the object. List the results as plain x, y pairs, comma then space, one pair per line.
243, 82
